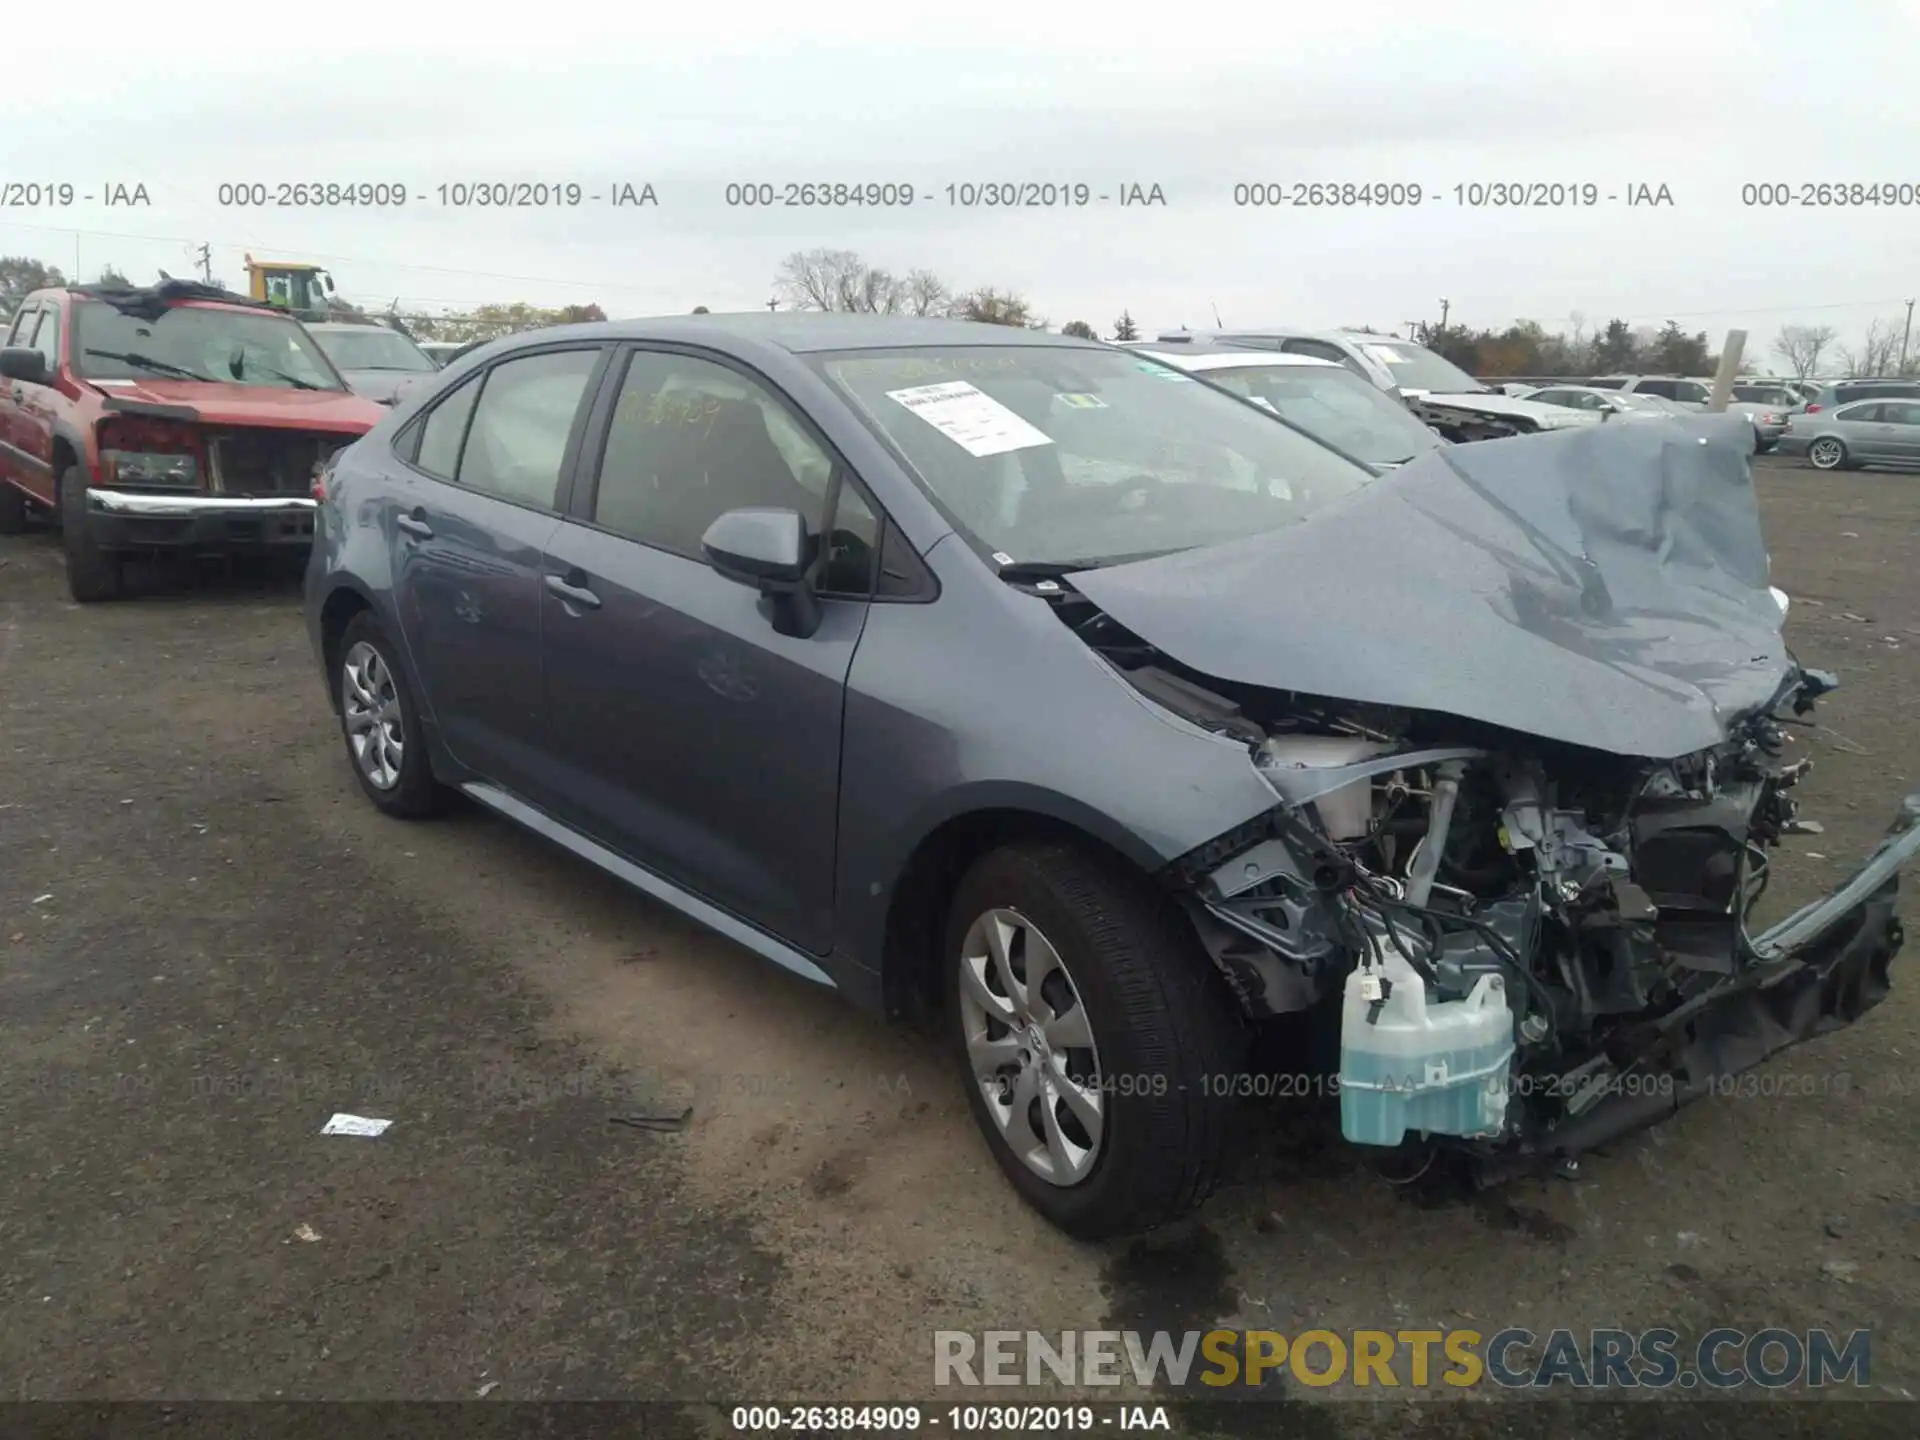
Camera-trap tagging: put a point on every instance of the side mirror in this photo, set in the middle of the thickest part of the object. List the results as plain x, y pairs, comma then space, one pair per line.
773, 551
23, 362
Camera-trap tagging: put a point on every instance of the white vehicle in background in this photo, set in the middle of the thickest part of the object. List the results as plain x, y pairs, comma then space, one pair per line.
1438, 391
1326, 400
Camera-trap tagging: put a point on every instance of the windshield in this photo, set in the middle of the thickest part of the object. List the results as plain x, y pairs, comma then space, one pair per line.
371, 347
200, 342
1074, 457
1333, 405
1414, 367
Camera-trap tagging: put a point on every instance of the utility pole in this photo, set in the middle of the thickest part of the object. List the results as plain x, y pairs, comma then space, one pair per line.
1413, 329
205, 257
1443, 314
773, 305
1905, 336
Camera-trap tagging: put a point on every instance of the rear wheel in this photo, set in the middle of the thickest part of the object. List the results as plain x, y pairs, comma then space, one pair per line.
13, 510
1095, 1036
1827, 453
380, 724
92, 573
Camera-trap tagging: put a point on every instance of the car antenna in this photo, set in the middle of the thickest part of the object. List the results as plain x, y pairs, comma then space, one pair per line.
1217, 323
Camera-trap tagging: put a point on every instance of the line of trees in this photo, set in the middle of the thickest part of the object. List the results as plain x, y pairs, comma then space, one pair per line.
840, 280
1528, 348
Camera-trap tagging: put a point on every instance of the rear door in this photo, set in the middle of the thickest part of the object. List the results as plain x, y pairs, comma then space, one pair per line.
1862, 430
1902, 421
697, 740
36, 406
15, 465
470, 524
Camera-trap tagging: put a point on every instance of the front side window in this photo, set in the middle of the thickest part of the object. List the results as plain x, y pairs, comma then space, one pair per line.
521, 425
1334, 406
1075, 457
23, 323
692, 439
199, 342
1868, 411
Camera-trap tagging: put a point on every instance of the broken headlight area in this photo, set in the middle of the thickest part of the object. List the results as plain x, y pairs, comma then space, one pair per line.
1534, 947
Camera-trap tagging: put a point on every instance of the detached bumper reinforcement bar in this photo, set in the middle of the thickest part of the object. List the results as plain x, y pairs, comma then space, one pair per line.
183, 507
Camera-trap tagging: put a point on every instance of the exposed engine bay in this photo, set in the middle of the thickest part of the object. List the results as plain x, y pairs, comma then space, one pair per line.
1608, 899
1522, 861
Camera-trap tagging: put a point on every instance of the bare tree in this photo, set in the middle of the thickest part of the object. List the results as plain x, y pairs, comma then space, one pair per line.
1800, 347
838, 280
1079, 329
925, 293
996, 307
1878, 353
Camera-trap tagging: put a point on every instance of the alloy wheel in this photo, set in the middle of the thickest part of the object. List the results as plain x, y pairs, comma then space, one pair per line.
1031, 1046
1826, 454
370, 705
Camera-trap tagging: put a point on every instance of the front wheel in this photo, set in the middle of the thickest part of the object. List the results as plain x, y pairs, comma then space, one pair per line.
1827, 453
1098, 1043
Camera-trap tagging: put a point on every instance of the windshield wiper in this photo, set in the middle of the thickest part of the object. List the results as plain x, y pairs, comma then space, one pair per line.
159, 367
294, 380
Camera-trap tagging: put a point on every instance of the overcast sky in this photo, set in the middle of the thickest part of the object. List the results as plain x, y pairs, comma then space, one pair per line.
1701, 97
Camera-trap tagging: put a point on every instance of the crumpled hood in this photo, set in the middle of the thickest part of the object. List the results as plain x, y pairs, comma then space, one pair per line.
1606, 587
216, 402
1510, 407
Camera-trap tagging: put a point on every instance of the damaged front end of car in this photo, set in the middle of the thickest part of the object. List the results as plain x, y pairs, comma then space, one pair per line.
1522, 860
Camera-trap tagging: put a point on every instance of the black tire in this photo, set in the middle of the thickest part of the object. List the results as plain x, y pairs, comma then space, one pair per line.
416, 794
92, 573
13, 510
1159, 1012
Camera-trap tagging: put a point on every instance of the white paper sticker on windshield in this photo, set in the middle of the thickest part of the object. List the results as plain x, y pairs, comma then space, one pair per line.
1082, 402
1263, 404
1384, 355
972, 419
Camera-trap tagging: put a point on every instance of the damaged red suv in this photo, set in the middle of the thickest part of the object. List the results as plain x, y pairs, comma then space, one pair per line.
177, 417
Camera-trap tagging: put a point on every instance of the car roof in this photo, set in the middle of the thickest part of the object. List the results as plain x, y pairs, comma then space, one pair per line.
1204, 358
804, 332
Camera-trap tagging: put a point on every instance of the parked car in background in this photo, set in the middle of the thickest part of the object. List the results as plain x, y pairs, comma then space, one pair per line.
1692, 393
1439, 392
374, 359
1607, 403
1326, 400
441, 351
1856, 436
1844, 392
175, 417
1775, 391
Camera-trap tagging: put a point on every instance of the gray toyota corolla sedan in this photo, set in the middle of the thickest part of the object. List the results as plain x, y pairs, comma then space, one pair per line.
1099, 717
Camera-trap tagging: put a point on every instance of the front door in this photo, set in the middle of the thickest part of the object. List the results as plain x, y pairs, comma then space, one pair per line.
698, 741
469, 527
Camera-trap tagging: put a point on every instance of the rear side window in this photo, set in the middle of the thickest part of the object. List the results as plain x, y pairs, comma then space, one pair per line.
47, 341
1867, 411
1901, 412
446, 427
522, 423
1663, 388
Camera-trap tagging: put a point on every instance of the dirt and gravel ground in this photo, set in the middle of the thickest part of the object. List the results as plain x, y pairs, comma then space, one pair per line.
209, 943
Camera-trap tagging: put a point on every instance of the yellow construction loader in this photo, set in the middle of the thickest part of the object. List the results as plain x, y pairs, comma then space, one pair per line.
292, 285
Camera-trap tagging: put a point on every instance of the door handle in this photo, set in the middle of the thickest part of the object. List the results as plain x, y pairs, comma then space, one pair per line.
416, 525
573, 594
